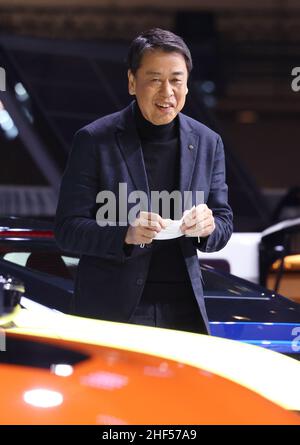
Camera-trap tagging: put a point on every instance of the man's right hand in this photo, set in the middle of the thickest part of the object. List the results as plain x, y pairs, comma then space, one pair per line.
145, 228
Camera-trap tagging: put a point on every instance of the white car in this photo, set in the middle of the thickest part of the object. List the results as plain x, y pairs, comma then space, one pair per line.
242, 255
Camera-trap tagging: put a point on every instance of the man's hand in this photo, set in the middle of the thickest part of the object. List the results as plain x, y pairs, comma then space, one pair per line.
198, 221
145, 228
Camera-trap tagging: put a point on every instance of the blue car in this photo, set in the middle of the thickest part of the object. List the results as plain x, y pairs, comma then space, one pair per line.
237, 309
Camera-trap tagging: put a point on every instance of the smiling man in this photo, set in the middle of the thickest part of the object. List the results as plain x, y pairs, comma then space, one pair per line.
125, 274
160, 85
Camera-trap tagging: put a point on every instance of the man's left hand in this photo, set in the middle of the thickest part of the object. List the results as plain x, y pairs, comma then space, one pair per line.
198, 221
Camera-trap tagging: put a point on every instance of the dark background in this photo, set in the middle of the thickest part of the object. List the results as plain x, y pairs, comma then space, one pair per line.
243, 55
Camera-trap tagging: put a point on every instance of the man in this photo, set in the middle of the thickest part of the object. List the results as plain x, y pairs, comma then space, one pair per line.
125, 274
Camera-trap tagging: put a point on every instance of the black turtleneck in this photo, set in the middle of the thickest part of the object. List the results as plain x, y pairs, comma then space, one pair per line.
160, 145
150, 132
161, 152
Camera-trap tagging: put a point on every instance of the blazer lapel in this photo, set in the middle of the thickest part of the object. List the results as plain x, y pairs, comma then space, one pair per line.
189, 142
131, 149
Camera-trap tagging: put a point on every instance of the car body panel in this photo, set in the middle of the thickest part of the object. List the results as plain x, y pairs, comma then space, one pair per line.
119, 387
257, 369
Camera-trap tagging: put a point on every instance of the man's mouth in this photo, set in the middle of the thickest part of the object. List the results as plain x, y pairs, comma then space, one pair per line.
163, 106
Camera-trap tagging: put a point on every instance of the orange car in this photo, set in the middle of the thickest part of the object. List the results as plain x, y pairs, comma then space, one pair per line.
59, 369
63, 382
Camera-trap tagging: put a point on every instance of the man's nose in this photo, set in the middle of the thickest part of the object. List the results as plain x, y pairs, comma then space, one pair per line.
166, 89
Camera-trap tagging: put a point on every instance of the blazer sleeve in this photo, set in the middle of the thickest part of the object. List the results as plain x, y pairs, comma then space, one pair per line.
218, 203
76, 229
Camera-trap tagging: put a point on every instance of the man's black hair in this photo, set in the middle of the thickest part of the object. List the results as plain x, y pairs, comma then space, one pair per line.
157, 39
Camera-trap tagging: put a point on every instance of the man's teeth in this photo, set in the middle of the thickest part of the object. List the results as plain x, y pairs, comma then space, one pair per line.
163, 105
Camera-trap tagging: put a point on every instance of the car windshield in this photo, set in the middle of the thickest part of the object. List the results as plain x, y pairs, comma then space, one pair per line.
52, 263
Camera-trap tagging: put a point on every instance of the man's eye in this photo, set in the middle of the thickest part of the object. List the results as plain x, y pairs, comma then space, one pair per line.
155, 80
178, 81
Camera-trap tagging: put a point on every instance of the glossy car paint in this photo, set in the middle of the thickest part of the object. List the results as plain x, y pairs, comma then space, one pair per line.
125, 374
255, 368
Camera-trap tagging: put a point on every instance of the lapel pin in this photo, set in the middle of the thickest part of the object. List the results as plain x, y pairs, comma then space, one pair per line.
191, 147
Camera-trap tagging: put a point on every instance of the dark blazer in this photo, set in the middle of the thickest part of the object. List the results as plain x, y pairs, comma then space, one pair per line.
105, 153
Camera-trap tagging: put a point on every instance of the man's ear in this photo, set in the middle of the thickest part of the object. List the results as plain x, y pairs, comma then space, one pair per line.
131, 83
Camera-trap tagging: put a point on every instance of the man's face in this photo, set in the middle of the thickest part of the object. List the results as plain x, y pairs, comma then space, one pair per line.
160, 85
